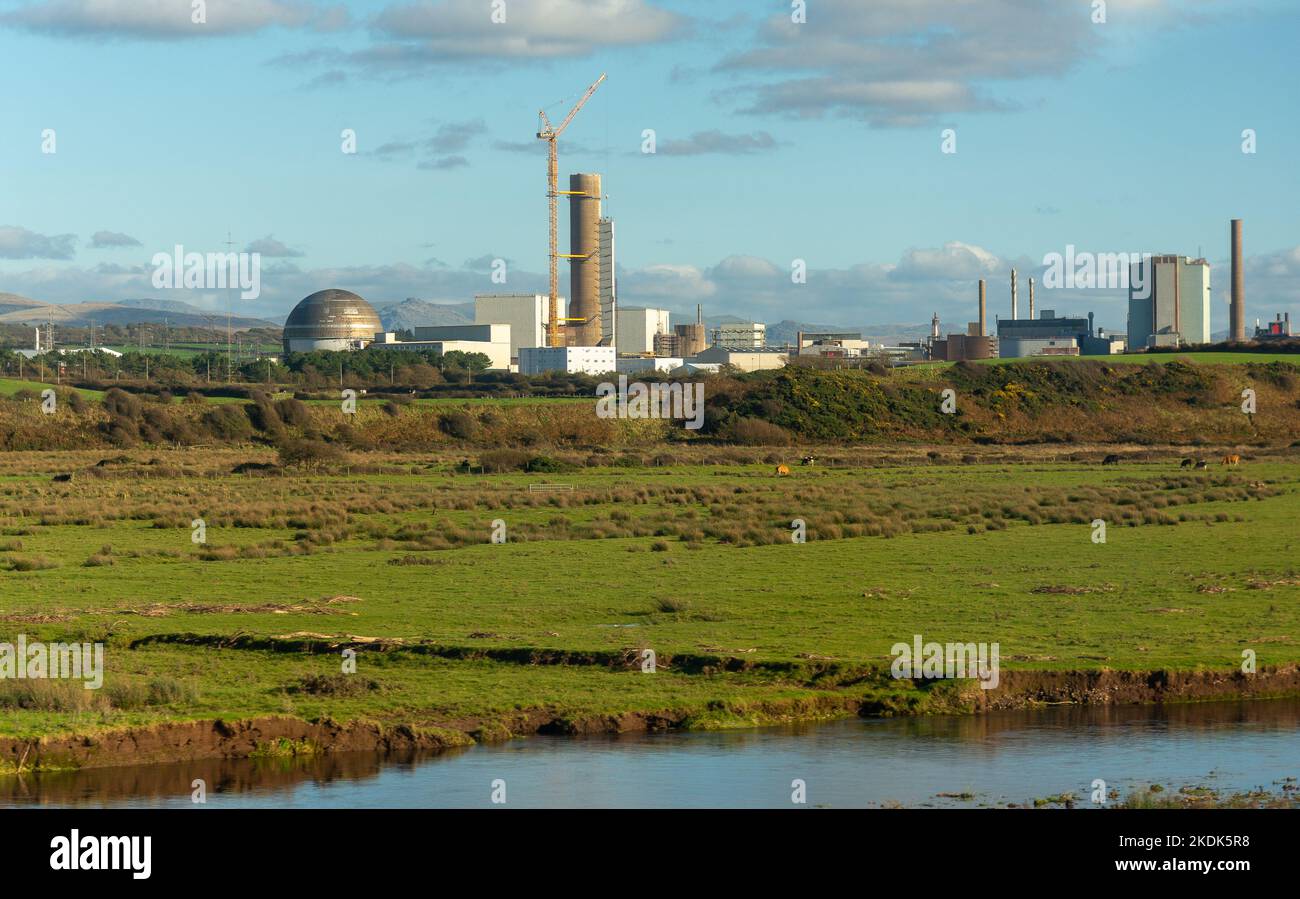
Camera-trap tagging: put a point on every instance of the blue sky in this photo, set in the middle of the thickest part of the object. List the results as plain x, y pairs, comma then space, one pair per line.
777, 141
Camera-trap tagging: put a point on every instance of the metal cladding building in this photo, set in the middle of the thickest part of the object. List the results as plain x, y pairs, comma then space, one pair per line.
331, 320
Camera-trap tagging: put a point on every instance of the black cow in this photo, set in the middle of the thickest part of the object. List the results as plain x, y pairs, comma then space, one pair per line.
807, 460
1187, 463
62, 478
1112, 459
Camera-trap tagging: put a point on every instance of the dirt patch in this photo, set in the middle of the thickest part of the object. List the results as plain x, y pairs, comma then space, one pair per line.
1021, 689
185, 741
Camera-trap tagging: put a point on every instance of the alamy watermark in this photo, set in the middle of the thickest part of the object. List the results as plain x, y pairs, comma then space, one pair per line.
1113, 271
946, 661
210, 271
638, 400
23, 660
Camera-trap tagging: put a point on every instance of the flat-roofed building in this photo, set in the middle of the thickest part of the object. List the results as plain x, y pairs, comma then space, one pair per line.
637, 328
527, 314
590, 360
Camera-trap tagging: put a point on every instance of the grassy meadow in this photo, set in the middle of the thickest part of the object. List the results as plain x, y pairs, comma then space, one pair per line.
692, 557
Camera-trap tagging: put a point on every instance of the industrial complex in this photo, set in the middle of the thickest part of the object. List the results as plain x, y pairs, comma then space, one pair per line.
1169, 304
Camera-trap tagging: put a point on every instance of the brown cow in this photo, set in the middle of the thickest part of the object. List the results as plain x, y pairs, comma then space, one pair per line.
1232, 459
782, 471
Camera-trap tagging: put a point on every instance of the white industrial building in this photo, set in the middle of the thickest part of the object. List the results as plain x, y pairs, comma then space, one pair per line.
1022, 347
589, 360
492, 341
754, 359
1173, 305
527, 314
637, 327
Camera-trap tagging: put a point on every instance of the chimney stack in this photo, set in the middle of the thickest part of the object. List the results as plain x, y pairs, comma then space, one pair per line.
1237, 309
1031, 298
983, 331
1015, 311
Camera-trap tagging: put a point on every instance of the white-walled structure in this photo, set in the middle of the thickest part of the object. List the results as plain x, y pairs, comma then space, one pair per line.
445, 340
527, 314
591, 360
637, 328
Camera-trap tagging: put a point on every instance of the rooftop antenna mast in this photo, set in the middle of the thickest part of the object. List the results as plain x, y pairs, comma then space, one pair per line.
549, 133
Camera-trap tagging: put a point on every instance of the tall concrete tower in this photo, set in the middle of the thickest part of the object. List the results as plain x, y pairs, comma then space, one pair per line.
584, 261
1237, 310
983, 319
1015, 309
1031, 298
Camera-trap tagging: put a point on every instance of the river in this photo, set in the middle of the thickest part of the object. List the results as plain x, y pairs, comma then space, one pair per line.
997, 759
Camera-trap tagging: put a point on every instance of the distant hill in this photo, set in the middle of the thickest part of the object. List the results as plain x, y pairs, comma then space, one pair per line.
412, 313
162, 306
787, 331
10, 302
17, 310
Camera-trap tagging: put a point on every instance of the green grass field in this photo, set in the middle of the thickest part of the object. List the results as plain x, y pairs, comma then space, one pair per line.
10, 386
694, 562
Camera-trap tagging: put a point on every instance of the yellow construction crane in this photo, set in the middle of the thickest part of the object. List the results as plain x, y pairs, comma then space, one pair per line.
548, 133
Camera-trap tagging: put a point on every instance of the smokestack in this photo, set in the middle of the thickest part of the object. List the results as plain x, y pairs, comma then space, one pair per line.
584, 265
38, 338
1237, 310
934, 325
982, 309
1031, 298
1015, 310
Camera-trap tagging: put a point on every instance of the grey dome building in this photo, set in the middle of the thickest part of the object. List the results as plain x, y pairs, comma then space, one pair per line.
331, 320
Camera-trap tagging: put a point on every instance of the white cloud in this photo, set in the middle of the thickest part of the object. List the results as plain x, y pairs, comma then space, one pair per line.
18, 243
423, 33
167, 19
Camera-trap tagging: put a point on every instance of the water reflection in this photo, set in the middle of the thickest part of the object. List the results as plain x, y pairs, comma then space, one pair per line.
996, 758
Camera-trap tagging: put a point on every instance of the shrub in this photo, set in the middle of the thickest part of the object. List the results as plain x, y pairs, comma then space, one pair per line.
32, 563
293, 412
308, 453
118, 402
336, 685
227, 423
48, 695
757, 432
502, 460
546, 464
460, 425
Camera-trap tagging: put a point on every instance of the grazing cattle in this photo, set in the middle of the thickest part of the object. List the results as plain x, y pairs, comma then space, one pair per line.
1112, 459
807, 460
1232, 459
62, 478
1187, 463
1201, 464
782, 470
